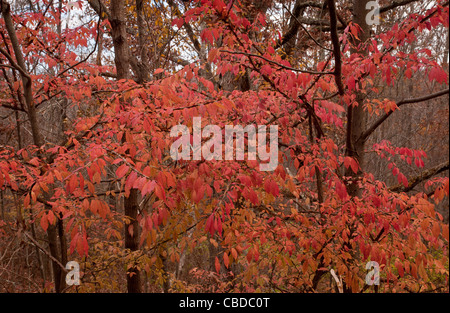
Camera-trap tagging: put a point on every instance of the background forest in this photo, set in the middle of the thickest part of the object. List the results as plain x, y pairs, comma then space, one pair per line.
89, 91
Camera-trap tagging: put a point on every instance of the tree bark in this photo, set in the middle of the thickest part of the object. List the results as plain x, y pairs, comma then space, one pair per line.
356, 116
119, 37
142, 75
38, 140
131, 204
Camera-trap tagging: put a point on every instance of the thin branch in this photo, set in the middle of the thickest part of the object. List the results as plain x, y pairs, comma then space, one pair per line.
99, 8
395, 4
276, 63
382, 119
188, 28
291, 33
337, 46
14, 65
414, 181
45, 251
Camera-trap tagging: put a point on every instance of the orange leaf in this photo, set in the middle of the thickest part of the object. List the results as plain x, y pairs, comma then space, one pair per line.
212, 55
226, 260
436, 230
445, 231
234, 253
400, 269
72, 183
44, 222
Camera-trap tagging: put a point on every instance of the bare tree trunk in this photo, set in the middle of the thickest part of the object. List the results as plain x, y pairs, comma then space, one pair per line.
131, 239
356, 116
98, 60
131, 204
356, 121
36, 133
142, 75
119, 36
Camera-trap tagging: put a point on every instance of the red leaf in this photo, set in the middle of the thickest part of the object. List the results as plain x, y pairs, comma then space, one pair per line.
179, 22
198, 194
266, 70
73, 182
438, 74
26, 201
234, 253
249, 255
51, 217
351, 162
251, 195
217, 264
44, 222
218, 225
399, 267
395, 171
160, 193
148, 187
212, 55
122, 170
255, 254
402, 180
95, 206
73, 242
82, 245
341, 190
351, 83
445, 231
130, 180
274, 189
245, 180
209, 224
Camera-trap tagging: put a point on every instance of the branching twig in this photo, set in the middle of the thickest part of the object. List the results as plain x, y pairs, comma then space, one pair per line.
382, 119
336, 46
414, 181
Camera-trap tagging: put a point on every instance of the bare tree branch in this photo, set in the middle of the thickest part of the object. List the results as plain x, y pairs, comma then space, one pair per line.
414, 181
395, 4
276, 63
382, 119
294, 29
99, 8
188, 28
63, 268
14, 65
336, 46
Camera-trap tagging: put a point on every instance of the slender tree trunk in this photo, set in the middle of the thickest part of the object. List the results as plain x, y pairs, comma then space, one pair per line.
119, 37
356, 116
356, 119
98, 60
36, 133
131, 204
142, 75
42, 268
58, 276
